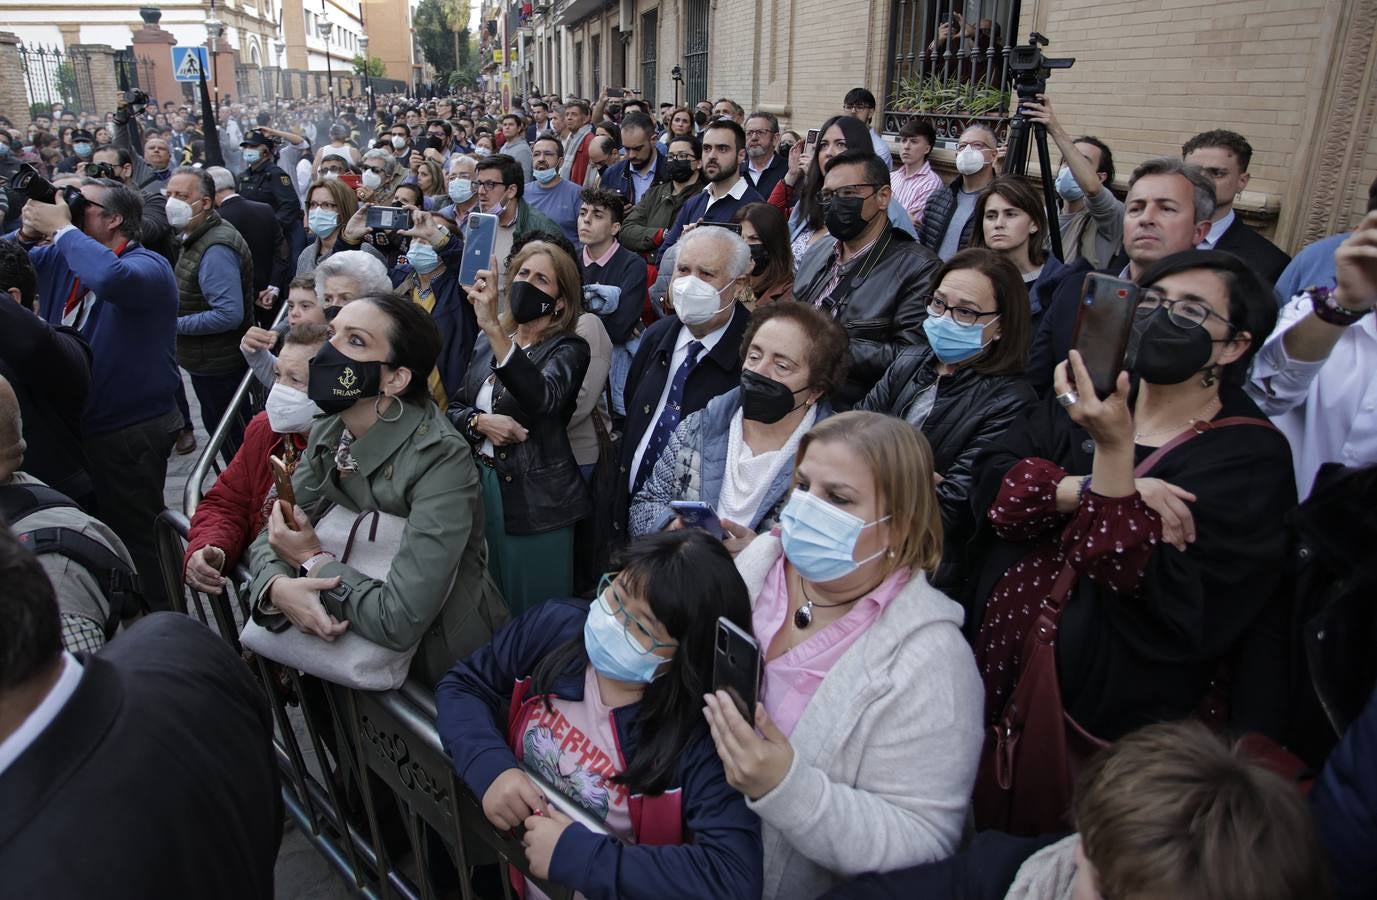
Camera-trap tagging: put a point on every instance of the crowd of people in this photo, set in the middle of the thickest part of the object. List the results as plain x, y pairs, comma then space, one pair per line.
1020, 635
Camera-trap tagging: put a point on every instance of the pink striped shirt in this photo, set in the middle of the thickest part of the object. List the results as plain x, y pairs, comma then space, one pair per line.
792, 678
912, 191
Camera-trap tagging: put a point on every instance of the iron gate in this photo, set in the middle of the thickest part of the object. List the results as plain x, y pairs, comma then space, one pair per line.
52, 76
696, 52
650, 28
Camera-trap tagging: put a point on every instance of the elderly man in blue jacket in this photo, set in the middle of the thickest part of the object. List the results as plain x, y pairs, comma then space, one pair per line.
95, 277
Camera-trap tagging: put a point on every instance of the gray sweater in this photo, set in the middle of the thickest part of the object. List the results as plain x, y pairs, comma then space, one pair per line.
885, 752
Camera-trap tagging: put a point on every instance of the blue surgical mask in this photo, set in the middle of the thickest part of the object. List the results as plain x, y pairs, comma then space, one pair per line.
422, 257
819, 539
4, 149
251, 157
609, 648
1068, 188
82, 149
322, 222
952, 341
460, 190
545, 176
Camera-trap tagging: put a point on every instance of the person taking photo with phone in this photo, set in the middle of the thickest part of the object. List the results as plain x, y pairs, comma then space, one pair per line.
628, 671
1152, 520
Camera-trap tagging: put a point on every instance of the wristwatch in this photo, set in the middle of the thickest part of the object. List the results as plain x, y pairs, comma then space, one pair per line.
1328, 310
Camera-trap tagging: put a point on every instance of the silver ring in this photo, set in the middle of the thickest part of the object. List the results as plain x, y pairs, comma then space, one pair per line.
1069, 398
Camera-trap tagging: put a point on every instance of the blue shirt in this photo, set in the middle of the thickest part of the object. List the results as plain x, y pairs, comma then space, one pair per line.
1312, 267
218, 278
560, 203
130, 323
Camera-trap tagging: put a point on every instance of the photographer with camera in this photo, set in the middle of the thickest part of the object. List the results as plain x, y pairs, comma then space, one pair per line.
83, 145
155, 165
156, 234
94, 276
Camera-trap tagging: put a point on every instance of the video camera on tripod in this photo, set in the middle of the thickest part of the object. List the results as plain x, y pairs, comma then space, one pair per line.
1029, 69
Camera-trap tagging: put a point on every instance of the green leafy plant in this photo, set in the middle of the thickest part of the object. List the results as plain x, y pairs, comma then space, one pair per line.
374, 67
931, 94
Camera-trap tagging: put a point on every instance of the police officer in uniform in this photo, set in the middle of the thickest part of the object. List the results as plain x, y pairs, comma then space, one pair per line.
263, 180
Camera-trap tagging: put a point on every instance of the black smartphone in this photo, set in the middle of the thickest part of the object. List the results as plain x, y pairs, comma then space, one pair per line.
1104, 321
734, 227
480, 237
388, 218
736, 667
696, 514
616, 92
811, 140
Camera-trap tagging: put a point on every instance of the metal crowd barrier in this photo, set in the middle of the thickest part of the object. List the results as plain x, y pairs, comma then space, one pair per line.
387, 755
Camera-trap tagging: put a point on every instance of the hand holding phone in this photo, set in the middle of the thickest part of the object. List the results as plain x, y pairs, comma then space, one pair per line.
1104, 322
480, 237
695, 514
285, 495
388, 218
736, 667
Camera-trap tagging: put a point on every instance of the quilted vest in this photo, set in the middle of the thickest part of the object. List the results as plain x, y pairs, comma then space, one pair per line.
212, 354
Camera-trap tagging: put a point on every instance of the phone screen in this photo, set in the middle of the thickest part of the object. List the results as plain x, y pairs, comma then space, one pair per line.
1103, 323
480, 236
736, 667
812, 139
388, 218
695, 514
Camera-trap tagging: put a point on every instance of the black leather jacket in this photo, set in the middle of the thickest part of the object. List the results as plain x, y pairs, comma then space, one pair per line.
881, 307
970, 412
541, 486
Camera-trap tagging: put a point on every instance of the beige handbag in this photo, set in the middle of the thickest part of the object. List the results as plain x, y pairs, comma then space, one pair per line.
366, 542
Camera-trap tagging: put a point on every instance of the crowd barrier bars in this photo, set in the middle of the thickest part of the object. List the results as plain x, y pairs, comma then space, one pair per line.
241, 408
387, 755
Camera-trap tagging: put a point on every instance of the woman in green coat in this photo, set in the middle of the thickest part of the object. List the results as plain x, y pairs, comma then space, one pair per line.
384, 445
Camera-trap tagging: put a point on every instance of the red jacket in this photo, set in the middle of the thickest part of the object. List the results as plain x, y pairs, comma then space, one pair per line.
231, 514
579, 170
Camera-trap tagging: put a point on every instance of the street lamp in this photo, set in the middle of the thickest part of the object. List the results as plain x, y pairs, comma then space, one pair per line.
367, 75
325, 29
215, 29
281, 47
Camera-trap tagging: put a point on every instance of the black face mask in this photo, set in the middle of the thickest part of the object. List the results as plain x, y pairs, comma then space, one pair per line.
1162, 352
760, 257
331, 312
680, 170
843, 218
763, 399
529, 302
785, 147
338, 382
701, 118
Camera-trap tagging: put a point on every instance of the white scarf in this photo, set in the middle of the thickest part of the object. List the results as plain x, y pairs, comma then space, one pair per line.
747, 477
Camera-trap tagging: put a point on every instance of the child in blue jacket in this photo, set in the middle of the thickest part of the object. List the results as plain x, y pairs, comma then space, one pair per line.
604, 701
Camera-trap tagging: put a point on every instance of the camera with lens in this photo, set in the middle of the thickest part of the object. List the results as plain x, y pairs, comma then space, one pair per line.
34, 186
1029, 67
137, 100
100, 170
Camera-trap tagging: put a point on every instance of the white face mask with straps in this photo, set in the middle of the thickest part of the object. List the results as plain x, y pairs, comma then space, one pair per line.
695, 301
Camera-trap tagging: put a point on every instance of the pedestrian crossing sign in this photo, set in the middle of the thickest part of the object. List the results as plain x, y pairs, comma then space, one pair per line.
189, 62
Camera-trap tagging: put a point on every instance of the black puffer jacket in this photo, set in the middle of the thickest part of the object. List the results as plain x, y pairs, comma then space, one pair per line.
882, 308
937, 216
541, 486
970, 412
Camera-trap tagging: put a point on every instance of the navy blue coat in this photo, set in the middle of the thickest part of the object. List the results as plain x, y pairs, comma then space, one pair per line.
696, 209
453, 315
617, 178
983, 871
1344, 801
724, 859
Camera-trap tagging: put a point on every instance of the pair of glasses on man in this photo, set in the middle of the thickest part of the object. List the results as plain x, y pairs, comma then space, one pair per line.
615, 606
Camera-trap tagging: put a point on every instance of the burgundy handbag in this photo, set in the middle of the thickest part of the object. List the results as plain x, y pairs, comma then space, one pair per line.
1033, 754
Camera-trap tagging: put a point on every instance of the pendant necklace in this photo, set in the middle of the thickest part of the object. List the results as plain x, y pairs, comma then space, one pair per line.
803, 616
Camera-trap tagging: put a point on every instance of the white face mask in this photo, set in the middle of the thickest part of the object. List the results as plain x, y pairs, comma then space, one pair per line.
370, 179
970, 161
290, 411
398, 141
179, 212
696, 301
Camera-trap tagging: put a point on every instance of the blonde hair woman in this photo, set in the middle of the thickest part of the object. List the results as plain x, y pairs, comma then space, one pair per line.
869, 719
514, 407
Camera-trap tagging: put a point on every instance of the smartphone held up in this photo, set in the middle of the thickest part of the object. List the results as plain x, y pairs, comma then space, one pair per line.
1104, 323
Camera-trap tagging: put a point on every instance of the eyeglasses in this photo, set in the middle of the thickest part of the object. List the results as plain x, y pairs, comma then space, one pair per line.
962, 315
685, 157
759, 133
848, 192
1187, 312
489, 185
974, 145
620, 611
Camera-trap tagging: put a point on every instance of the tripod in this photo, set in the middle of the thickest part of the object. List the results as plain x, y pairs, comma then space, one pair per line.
1016, 159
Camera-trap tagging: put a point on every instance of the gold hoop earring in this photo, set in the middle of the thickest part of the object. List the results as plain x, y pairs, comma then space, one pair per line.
377, 408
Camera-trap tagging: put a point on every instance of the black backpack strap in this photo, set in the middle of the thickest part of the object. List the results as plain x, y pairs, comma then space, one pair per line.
20, 500
115, 578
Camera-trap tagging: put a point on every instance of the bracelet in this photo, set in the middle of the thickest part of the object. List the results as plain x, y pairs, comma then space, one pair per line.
310, 564
1327, 310
1085, 489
